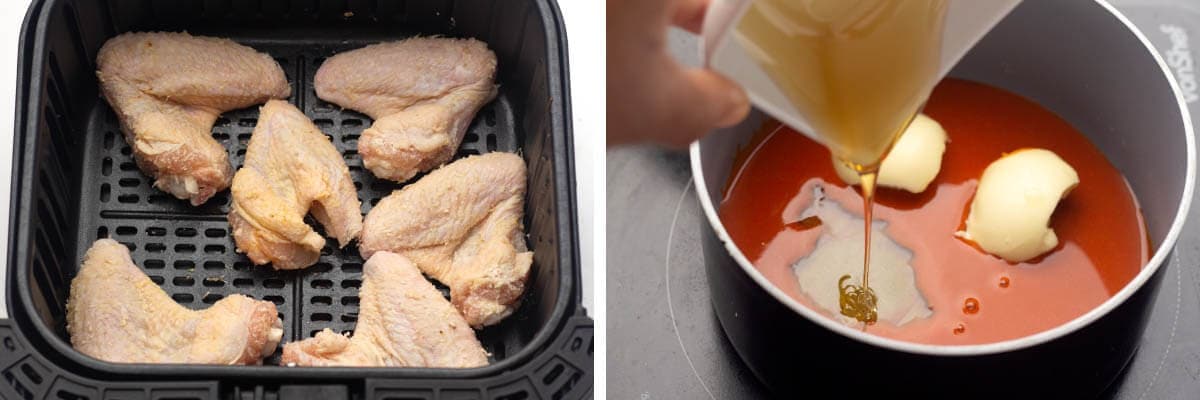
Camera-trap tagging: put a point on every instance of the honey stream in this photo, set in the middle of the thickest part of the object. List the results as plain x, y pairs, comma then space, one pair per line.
859, 70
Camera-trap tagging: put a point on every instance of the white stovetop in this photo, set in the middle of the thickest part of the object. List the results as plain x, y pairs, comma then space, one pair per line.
585, 34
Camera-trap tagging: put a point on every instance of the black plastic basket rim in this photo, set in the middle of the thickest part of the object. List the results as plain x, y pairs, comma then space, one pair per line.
33, 34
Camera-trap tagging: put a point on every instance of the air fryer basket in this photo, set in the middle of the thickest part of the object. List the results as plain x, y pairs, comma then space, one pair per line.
75, 181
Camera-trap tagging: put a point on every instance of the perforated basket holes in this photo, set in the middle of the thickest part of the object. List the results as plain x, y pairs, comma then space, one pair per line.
330, 294
195, 263
189, 251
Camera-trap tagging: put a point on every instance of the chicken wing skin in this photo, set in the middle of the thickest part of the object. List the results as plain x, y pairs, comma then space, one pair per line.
291, 168
168, 89
116, 314
461, 224
421, 92
403, 321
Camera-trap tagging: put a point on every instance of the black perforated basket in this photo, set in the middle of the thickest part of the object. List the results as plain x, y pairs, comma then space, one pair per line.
75, 181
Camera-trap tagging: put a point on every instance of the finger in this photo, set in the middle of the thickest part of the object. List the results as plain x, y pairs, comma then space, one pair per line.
689, 14
699, 101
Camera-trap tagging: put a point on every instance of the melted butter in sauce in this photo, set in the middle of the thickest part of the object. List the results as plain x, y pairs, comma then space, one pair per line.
827, 273
975, 297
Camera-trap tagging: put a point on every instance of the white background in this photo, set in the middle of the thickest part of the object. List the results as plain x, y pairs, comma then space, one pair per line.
585, 29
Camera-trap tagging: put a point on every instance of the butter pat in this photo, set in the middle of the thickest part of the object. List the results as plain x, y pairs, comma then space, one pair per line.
914, 161
1010, 215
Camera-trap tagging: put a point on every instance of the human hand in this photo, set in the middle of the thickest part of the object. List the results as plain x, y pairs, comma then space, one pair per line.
651, 97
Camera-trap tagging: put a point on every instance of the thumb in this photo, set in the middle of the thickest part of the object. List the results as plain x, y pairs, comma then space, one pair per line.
701, 100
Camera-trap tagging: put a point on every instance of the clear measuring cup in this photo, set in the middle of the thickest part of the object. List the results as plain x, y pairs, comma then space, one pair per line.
848, 73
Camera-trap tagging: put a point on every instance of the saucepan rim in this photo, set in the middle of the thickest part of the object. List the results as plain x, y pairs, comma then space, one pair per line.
1161, 253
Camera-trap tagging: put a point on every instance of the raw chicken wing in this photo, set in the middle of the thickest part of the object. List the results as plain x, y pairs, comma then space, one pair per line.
461, 224
116, 314
291, 168
167, 89
422, 93
403, 321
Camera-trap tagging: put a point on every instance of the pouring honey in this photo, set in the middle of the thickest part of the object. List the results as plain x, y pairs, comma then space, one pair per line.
851, 73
